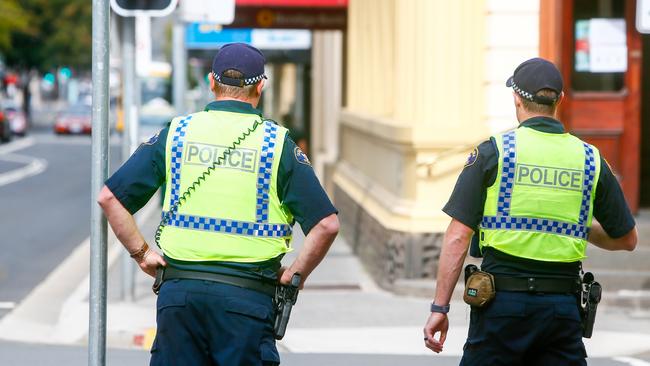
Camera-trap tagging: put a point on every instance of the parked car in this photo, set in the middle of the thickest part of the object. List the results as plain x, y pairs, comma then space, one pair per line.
74, 120
5, 129
15, 118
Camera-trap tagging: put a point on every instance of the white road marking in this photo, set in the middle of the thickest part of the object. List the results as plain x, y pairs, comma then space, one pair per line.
631, 361
33, 167
16, 145
7, 305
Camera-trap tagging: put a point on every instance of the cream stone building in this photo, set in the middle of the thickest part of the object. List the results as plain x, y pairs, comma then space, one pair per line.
424, 83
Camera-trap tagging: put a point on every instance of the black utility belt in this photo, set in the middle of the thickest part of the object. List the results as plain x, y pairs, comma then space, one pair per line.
170, 273
537, 284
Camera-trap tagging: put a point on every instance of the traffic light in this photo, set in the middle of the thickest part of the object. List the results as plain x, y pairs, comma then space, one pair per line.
152, 8
65, 73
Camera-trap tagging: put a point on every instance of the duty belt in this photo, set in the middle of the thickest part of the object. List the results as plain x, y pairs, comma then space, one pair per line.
537, 284
171, 273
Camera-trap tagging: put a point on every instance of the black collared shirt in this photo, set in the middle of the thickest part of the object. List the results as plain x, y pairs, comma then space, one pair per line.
468, 199
299, 190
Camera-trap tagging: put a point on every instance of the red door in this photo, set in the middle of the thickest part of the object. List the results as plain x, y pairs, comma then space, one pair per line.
598, 50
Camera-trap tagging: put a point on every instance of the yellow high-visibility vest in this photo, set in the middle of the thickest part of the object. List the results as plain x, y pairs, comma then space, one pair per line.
234, 214
541, 204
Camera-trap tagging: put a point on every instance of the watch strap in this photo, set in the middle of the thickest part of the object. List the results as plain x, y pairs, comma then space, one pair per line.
439, 309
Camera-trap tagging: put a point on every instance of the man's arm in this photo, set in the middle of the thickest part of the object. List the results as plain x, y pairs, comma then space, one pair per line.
452, 257
316, 245
127, 232
599, 238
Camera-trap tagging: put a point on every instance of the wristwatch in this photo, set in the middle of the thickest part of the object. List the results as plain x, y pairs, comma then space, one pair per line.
439, 309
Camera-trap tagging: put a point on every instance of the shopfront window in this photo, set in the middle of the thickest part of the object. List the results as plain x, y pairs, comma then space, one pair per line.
600, 53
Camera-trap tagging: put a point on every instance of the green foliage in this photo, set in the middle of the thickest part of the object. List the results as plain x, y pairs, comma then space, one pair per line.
12, 18
57, 33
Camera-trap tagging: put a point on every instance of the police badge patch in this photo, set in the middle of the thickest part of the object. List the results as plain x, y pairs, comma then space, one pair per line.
153, 139
301, 157
471, 159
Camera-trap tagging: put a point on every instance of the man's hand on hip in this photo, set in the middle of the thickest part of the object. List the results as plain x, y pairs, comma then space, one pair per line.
150, 261
437, 322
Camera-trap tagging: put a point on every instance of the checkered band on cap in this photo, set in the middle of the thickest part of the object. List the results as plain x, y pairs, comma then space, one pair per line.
503, 220
264, 175
178, 140
227, 226
522, 92
247, 81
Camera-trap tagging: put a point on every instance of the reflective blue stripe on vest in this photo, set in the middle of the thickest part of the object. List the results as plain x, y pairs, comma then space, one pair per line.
265, 172
503, 220
229, 226
176, 159
590, 175
264, 176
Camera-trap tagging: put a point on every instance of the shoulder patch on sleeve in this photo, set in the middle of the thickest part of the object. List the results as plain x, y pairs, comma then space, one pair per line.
301, 157
153, 139
471, 159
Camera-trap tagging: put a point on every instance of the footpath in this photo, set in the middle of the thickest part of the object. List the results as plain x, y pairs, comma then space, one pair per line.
340, 311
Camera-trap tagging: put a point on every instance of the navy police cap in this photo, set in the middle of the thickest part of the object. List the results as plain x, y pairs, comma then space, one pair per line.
534, 75
241, 57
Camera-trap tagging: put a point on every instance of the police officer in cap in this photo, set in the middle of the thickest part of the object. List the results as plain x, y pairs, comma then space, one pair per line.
529, 200
223, 239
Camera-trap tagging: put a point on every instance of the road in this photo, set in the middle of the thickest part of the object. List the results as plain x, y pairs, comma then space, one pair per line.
18, 354
43, 216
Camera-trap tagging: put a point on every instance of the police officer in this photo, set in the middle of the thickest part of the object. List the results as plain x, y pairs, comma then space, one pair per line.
529, 200
223, 239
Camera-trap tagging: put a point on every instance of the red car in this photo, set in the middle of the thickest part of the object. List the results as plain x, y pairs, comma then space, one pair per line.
75, 120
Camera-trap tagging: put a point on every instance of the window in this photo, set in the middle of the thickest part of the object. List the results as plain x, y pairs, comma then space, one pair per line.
600, 48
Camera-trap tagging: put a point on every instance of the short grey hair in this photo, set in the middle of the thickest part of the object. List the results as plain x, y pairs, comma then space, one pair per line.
225, 90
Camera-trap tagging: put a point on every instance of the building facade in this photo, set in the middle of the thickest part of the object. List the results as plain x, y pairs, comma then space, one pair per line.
425, 83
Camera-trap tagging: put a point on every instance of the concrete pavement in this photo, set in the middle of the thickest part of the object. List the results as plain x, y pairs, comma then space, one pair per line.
342, 317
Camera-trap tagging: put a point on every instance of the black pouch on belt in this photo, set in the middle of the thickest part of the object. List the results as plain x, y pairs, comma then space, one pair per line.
479, 287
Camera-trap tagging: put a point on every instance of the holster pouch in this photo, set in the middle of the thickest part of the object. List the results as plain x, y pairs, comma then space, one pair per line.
479, 287
285, 299
590, 296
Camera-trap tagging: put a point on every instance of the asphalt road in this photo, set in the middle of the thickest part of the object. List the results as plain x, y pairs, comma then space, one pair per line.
45, 216
21, 354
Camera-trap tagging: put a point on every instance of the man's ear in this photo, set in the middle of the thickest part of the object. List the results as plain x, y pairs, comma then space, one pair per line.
213, 83
560, 99
517, 99
260, 86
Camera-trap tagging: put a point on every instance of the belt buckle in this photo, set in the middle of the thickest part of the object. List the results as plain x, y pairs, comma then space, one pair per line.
531, 284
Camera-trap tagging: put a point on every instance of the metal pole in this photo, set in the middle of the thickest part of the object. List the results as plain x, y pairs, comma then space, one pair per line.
179, 64
127, 290
99, 173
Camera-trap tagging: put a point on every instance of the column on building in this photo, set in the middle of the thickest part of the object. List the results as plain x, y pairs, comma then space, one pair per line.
414, 108
326, 97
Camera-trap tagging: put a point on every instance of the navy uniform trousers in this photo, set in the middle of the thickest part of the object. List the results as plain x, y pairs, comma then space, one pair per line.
519, 328
213, 324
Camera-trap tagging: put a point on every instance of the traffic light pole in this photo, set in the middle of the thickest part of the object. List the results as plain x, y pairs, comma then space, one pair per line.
179, 65
129, 104
99, 173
